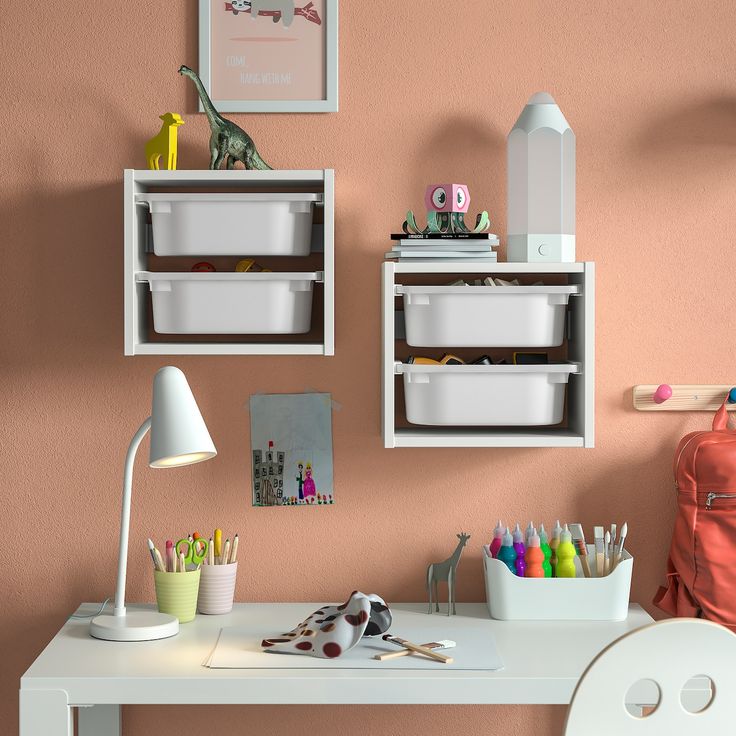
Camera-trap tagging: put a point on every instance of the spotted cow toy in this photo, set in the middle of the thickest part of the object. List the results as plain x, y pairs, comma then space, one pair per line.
332, 630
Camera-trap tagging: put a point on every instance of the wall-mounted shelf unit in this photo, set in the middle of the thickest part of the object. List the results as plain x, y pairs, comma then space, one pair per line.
140, 260
578, 348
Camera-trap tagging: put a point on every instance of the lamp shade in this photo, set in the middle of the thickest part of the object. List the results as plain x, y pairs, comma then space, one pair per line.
179, 435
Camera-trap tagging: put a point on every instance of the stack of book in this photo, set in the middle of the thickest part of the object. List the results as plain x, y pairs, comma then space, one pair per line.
471, 247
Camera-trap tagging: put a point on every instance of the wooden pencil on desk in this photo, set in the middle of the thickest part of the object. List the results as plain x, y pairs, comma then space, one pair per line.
417, 648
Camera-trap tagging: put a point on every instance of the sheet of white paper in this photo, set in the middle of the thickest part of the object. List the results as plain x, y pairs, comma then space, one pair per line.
239, 647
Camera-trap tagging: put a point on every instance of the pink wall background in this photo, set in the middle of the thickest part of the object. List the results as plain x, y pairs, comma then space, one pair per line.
428, 91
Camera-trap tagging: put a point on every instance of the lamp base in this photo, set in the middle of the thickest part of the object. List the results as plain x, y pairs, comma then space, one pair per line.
134, 626
536, 248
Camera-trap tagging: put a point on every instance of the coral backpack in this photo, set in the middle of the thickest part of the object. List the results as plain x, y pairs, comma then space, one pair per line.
701, 569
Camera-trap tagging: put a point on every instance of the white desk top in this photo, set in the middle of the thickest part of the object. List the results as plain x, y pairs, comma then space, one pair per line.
543, 661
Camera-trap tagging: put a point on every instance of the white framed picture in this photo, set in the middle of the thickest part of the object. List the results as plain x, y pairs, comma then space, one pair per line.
269, 55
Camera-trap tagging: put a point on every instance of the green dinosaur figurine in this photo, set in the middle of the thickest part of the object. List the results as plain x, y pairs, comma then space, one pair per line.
227, 139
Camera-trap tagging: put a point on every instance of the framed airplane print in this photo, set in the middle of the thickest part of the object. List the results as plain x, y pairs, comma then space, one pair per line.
269, 55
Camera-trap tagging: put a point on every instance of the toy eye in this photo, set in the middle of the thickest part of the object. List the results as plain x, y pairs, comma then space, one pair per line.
439, 197
460, 197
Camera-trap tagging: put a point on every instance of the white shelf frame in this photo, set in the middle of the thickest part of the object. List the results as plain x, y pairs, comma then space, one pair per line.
581, 349
136, 300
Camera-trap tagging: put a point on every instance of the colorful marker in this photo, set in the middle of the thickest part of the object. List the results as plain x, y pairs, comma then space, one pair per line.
556, 531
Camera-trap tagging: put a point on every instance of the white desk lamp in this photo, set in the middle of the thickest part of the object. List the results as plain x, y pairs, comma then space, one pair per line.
178, 437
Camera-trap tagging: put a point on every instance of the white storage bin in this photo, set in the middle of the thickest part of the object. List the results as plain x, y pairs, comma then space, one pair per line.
231, 303
210, 224
510, 597
485, 395
485, 316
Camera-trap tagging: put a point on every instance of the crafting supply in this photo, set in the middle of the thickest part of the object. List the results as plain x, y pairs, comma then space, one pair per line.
598, 538
497, 539
170, 559
507, 553
196, 551
234, 551
520, 550
578, 540
613, 546
556, 531
182, 563
211, 553
225, 552
151, 547
531, 529
620, 548
565, 555
442, 644
218, 542
534, 557
417, 648
546, 551
607, 553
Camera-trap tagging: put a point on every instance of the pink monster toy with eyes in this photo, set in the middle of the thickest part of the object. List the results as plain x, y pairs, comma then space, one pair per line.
446, 205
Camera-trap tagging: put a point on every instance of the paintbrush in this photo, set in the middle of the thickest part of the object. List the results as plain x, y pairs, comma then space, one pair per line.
417, 648
578, 539
442, 644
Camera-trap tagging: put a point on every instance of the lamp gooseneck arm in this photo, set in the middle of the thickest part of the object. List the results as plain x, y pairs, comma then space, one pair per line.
119, 609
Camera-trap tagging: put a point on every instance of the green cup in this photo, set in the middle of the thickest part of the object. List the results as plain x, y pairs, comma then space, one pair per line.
176, 593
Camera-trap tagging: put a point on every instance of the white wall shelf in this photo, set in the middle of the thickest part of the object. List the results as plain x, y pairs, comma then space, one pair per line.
577, 431
139, 337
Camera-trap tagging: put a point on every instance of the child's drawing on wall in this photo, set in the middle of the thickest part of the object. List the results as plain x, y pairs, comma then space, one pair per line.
291, 442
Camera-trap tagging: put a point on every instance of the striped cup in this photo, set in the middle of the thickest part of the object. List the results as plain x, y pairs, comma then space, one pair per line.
217, 588
176, 593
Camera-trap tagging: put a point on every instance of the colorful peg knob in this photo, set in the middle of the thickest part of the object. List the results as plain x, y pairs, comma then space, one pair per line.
662, 393
732, 396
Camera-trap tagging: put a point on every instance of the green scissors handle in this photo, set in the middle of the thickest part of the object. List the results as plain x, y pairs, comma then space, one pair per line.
196, 550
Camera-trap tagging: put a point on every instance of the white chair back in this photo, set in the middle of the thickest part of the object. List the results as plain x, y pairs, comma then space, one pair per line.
671, 653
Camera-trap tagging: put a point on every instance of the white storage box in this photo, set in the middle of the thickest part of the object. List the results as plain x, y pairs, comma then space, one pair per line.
511, 598
485, 316
209, 224
231, 303
485, 395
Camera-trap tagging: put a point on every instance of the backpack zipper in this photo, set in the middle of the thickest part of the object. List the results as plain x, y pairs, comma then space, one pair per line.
714, 496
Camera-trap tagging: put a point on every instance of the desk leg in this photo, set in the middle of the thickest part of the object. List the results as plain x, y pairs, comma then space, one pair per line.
45, 713
99, 720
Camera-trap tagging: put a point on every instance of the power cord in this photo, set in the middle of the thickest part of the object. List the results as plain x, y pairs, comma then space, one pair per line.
91, 615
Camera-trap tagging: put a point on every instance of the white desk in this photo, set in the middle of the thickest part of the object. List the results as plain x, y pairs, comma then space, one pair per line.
544, 661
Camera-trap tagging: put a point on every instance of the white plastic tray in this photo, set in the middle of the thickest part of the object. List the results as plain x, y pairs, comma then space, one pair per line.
485, 395
231, 303
510, 597
485, 316
203, 224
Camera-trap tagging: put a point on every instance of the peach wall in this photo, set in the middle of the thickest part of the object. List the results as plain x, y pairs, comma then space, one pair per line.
428, 91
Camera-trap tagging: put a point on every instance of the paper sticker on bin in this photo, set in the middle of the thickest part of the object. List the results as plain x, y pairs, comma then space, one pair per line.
231, 303
486, 395
512, 598
486, 316
211, 224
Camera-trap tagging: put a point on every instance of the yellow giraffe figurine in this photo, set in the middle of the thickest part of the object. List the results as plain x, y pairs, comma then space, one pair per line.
163, 144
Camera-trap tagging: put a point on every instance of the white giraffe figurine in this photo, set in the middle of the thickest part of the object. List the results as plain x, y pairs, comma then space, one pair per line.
445, 571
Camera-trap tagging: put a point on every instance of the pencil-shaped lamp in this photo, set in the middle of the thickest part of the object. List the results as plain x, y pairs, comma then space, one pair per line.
541, 184
178, 437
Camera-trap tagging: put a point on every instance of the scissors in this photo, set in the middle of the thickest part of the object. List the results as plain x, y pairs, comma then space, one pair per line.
196, 550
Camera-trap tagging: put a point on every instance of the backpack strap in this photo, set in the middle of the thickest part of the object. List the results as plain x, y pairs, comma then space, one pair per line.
720, 420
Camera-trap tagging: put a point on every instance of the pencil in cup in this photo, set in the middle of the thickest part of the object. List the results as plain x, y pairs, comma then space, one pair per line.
176, 593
